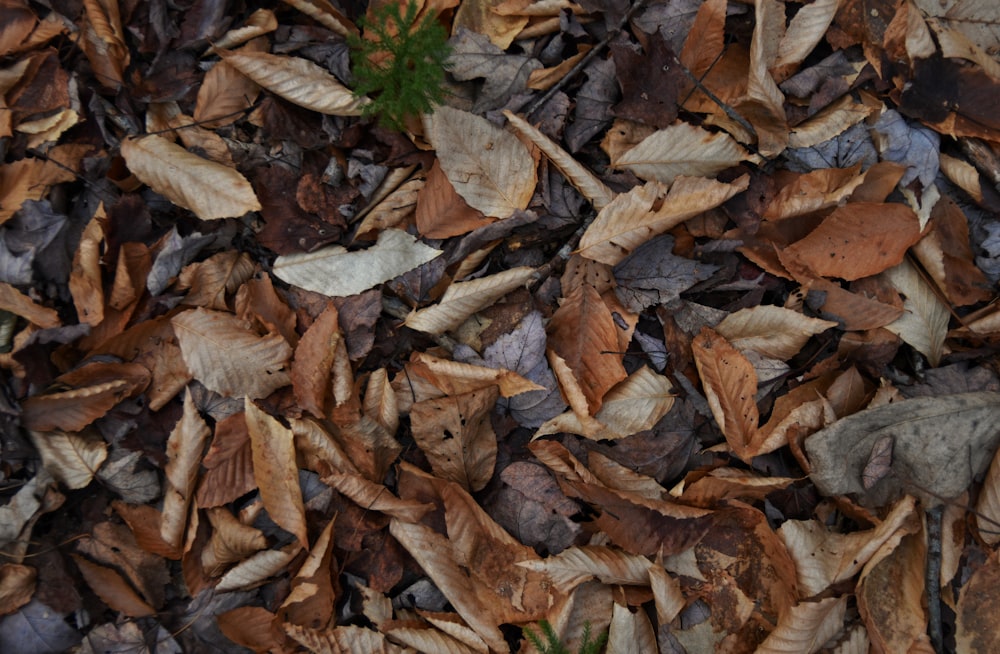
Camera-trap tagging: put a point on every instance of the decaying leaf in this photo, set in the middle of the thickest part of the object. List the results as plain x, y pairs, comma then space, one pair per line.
940, 443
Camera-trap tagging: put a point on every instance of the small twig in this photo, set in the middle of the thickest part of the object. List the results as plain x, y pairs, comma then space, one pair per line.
729, 111
580, 65
932, 580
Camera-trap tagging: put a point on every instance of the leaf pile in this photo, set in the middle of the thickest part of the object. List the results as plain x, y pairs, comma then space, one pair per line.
669, 323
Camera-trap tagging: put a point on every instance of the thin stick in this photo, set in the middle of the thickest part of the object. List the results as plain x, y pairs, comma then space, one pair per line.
932, 580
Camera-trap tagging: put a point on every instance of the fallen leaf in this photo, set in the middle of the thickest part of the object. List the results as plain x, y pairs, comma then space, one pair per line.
924, 323
807, 626
72, 459
681, 149
462, 299
184, 453
771, 331
974, 624
209, 190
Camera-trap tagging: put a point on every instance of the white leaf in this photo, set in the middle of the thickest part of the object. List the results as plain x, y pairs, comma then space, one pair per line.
335, 272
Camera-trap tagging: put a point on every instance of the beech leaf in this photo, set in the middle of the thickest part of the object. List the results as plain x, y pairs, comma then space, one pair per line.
337, 272
681, 149
208, 189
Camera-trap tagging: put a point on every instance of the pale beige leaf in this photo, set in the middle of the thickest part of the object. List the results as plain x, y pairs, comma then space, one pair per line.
185, 448
804, 31
681, 149
231, 541
208, 189
462, 299
489, 167
586, 182
336, 272
259, 23
341, 640
637, 403
667, 594
224, 94
17, 586
806, 627
955, 43
85, 284
730, 383
832, 121
622, 478
228, 358
823, 557
23, 506
924, 325
770, 330
424, 638
455, 377
71, 459
438, 558
276, 471
575, 565
962, 174
919, 44
630, 632
258, 568
299, 81
380, 402
628, 222
764, 102
988, 505
455, 627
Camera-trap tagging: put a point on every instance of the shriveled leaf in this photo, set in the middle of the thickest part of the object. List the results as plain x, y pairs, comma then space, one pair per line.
228, 358
340, 640
488, 167
17, 585
297, 80
730, 385
20, 304
772, 331
681, 149
336, 272
628, 221
455, 378
276, 471
71, 459
939, 442
462, 299
208, 189
575, 565
376, 497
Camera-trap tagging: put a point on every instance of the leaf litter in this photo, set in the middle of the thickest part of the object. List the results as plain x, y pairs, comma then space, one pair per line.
675, 320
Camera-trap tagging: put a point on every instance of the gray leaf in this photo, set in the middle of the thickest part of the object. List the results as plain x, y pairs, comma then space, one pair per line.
654, 275
593, 104
474, 56
914, 146
940, 444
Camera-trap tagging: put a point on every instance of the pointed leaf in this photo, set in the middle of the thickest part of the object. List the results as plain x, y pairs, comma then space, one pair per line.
462, 299
681, 149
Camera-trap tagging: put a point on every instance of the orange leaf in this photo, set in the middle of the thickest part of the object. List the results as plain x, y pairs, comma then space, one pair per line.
858, 240
441, 211
584, 334
730, 384
313, 362
114, 590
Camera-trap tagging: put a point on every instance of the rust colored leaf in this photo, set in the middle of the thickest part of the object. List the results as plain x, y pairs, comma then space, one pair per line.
184, 453
313, 363
114, 590
441, 212
857, 240
730, 385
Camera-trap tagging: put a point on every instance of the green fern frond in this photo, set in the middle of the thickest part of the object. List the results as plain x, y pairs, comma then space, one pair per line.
553, 645
400, 64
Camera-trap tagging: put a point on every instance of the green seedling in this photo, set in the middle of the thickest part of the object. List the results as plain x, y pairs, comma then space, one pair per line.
400, 64
553, 645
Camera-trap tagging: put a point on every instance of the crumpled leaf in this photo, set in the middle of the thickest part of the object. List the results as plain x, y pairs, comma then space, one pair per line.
224, 355
940, 443
208, 189
336, 272
489, 167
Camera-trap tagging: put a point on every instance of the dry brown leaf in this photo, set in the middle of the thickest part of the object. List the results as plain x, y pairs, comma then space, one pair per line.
313, 595
103, 41
227, 357
30, 179
231, 541
583, 333
804, 32
252, 627
112, 589
184, 453
456, 435
630, 631
454, 377
258, 568
342, 640
852, 311
208, 282
259, 23
375, 497
488, 166
297, 80
73, 410
975, 621
313, 364
681, 149
17, 586
706, 40
21, 305
763, 105
576, 565
207, 189
482, 17
891, 598
276, 471
924, 323
228, 464
462, 299
586, 182
771, 331
441, 212
730, 385
85, 282
380, 403
988, 505
812, 191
